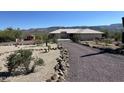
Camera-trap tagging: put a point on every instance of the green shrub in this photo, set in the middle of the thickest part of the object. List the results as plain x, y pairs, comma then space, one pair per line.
107, 41
19, 61
10, 34
40, 62
54, 40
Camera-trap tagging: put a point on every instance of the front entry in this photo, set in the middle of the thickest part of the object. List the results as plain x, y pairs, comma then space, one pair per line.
64, 35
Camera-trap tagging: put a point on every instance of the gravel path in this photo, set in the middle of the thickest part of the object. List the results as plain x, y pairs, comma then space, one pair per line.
92, 65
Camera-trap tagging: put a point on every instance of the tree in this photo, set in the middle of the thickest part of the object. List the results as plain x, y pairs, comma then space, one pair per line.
117, 36
38, 38
54, 40
46, 39
10, 34
106, 33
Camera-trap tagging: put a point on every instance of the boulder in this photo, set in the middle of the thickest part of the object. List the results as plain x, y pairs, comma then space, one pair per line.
56, 68
67, 65
62, 66
59, 60
61, 73
54, 77
62, 56
61, 79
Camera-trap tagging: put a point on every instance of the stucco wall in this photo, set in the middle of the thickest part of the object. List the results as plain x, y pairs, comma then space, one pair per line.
87, 36
82, 36
58, 36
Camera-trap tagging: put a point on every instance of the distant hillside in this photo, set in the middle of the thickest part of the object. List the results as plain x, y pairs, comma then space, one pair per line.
112, 27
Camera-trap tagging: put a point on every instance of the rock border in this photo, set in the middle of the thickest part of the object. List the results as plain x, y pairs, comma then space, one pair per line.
62, 66
119, 51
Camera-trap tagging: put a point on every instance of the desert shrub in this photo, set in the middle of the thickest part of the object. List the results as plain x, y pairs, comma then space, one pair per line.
54, 40
19, 61
107, 41
38, 38
10, 34
117, 36
40, 62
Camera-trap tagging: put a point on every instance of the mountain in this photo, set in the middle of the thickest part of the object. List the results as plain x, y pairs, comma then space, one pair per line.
111, 27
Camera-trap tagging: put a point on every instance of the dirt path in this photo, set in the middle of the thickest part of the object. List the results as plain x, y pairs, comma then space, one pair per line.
92, 65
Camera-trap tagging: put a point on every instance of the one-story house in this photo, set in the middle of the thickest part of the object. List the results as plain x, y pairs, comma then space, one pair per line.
81, 34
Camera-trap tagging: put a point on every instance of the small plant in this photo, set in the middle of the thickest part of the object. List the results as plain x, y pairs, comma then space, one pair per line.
40, 62
49, 47
54, 40
0, 68
107, 41
19, 61
96, 41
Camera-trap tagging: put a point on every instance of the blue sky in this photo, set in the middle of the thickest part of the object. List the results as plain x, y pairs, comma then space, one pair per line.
39, 19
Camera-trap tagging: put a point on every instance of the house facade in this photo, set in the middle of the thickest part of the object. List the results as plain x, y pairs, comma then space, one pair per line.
80, 34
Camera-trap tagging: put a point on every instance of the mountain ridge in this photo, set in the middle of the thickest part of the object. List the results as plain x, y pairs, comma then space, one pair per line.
112, 27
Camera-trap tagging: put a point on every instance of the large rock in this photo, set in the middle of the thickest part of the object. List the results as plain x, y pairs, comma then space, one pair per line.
58, 59
54, 77
61, 72
61, 79
56, 68
67, 65
61, 67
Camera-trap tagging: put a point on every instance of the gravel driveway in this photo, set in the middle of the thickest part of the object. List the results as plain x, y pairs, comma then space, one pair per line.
92, 65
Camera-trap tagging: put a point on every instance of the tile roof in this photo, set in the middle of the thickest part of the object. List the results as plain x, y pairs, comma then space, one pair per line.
80, 31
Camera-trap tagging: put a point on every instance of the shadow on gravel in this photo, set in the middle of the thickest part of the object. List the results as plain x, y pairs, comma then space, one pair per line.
106, 50
5, 74
102, 52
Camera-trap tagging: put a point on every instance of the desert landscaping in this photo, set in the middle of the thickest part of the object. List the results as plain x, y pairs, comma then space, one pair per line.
41, 73
29, 57
48, 71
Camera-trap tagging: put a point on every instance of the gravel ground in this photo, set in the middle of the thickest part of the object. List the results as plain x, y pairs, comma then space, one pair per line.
92, 65
41, 73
